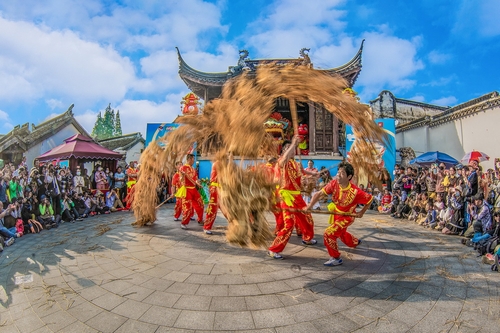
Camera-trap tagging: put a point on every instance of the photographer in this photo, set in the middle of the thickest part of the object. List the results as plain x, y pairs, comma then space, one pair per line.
69, 214
28, 214
480, 217
113, 201
53, 191
9, 234
47, 217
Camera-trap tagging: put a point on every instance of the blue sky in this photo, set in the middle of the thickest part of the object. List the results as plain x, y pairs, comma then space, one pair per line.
95, 52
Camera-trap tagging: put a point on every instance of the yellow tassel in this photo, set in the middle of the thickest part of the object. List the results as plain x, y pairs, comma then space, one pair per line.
287, 196
181, 192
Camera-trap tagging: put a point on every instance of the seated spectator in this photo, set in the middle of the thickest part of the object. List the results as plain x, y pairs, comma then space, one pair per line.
113, 201
47, 217
439, 207
80, 205
9, 234
385, 202
396, 200
101, 207
493, 231
403, 208
430, 218
69, 212
480, 217
28, 216
453, 221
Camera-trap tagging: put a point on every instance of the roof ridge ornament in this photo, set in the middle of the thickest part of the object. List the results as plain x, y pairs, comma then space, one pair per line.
242, 63
306, 61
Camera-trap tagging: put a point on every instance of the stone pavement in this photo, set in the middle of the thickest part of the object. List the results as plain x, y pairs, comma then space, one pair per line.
103, 275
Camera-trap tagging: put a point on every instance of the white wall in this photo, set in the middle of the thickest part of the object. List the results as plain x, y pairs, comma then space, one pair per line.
134, 153
480, 131
415, 138
55, 140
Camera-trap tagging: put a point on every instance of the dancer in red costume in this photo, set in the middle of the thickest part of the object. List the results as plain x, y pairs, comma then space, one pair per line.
345, 198
132, 174
272, 173
176, 184
291, 203
191, 198
213, 202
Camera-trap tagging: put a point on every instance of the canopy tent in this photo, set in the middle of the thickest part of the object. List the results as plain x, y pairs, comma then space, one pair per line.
431, 157
80, 148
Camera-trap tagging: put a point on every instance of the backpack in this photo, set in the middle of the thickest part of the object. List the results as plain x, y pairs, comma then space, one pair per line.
19, 226
486, 246
491, 198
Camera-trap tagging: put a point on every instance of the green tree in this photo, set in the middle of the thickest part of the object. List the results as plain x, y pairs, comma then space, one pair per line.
106, 126
97, 132
118, 124
109, 122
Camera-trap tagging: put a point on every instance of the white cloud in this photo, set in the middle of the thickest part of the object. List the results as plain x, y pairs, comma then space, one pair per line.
389, 62
445, 101
438, 58
477, 19
87, 119
129, 25
54, 103
290, 25
4, 116
54, 63
5, 121
441, 82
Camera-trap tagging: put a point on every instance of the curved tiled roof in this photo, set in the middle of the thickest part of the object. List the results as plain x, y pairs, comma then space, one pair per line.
122, 142
463, 110
209, 85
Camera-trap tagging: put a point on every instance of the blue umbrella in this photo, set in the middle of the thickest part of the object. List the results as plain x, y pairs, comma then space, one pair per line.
427, 159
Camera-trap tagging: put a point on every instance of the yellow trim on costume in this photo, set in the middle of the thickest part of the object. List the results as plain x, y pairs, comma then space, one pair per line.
214, 184
288, 196
182, 191
131, 182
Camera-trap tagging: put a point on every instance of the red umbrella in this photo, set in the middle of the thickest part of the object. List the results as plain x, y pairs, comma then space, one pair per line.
474, 156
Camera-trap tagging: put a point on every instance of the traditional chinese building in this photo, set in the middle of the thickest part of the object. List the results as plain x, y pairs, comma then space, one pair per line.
325, 133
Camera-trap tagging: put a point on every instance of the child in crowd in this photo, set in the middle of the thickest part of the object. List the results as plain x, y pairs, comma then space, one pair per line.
385, 202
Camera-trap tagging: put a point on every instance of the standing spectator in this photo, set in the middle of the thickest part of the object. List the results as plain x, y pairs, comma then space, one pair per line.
109, 178
119, 184
14, 188
78, 181
100, 179
53, 190
440, 176
385, 178
4, 181
308, 182
87, 184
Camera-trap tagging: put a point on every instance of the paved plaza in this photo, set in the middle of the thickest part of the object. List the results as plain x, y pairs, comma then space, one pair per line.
103, 275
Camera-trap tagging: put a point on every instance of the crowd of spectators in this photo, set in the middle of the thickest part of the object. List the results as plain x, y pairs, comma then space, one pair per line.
32, 200
457, 200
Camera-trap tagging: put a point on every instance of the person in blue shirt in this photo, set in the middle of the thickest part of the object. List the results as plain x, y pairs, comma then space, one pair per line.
119, 183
